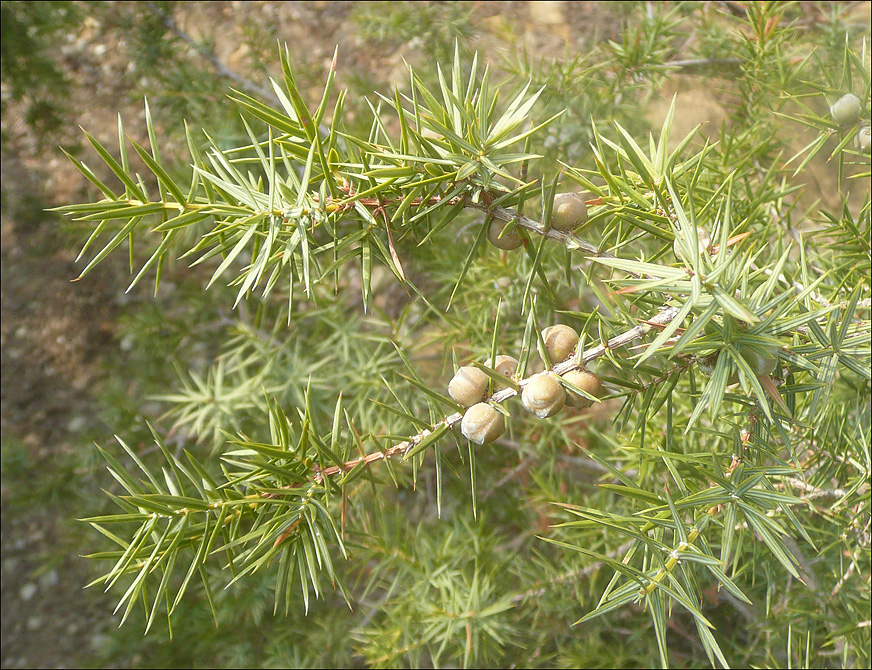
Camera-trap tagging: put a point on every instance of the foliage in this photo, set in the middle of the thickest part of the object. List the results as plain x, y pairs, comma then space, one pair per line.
733, 443
433, 27
29, 31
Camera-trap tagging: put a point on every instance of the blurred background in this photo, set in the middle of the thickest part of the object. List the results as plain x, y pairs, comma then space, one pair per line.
83, 361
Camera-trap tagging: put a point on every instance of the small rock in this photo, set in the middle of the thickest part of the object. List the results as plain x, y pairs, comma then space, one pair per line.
49, 579
546, 12
34, 623
27, 591
101, 643
81, 381
151, 409
77, 424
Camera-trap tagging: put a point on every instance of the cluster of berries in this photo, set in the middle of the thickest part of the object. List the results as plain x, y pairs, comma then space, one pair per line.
544, 394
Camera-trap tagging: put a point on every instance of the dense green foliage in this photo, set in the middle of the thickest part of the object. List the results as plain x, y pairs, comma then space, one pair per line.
29, 72
713, 507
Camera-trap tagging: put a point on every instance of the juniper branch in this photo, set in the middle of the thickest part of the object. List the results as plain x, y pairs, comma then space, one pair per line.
569, 240
541, 588
663, 317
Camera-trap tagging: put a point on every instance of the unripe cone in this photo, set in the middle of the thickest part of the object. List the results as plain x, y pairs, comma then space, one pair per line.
568, 211
704, 240
506, 366
482, 423
468, 386
507, 239
846, 109
761, 365
560, 341
587, 382
543, 395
